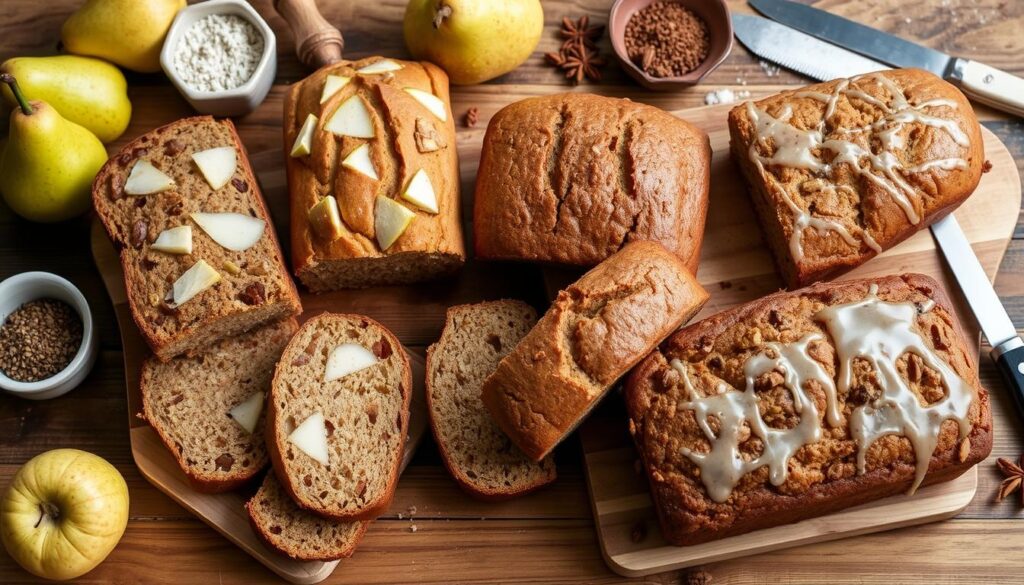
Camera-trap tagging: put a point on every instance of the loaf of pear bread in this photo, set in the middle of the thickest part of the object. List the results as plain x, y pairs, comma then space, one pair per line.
572, 178
200, 257
285, 527
372, 175
593, 333
338, 416
480, 457
803, 403
208, 408
841, 171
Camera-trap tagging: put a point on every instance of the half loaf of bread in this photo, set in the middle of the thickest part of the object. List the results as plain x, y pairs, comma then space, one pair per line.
336, 441
479, 456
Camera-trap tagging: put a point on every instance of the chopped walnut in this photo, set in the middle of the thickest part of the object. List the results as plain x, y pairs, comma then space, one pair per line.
254, 294
427, 137
173, 147
382, 349
139, 232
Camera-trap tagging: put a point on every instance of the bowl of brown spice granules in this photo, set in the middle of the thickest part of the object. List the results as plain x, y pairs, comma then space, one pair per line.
670, 44
47, 343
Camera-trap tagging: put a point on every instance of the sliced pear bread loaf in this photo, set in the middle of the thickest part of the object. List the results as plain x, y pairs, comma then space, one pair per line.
480, 457
302, 535
200, 257
338, 416
207, 409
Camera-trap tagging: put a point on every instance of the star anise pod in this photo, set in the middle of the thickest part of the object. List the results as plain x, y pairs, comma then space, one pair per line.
1014, 474
580, 32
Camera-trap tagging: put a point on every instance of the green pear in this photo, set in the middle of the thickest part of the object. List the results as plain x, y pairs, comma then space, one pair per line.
48, 166
473, 40
127, 32
89, 92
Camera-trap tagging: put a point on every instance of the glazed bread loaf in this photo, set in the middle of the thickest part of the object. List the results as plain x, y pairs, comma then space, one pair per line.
572, 178
841, 171
154, 188
338, 416
375, 189
292, 531
190, 401
593, 333
800, 404
479, 456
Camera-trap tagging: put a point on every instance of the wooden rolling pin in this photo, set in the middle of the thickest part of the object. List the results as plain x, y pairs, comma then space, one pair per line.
317, 42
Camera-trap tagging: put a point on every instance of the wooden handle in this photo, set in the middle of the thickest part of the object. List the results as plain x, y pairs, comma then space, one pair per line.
317, 43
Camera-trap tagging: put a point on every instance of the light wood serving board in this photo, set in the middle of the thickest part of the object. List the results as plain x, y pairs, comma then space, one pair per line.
223, 512
737, 267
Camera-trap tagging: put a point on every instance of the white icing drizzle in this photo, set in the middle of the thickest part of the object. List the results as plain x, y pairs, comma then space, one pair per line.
877, 331
880, 332
796, 148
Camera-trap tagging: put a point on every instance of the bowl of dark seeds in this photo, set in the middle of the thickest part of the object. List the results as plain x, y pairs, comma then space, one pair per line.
670, 44
47, 343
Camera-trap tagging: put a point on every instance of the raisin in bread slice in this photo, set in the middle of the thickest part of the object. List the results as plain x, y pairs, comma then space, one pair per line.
476, 452
336, 444
246, 282
197, 405
292, 531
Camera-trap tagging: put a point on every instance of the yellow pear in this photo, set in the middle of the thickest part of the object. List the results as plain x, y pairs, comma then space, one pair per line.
89, 92
127, 32
473, 40
49, 163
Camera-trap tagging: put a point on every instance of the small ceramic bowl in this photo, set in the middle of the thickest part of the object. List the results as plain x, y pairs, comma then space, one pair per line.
713, 12
30, 286
232, 102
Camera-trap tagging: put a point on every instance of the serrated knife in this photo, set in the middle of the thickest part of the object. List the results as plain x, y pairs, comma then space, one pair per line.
981, 82
825, 62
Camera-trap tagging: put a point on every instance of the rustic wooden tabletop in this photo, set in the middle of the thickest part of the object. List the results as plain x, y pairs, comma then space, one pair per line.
548, 537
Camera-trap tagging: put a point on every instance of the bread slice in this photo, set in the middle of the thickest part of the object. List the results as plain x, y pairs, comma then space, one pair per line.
254, 286
188, 399
480, 457
366, 416
302, 535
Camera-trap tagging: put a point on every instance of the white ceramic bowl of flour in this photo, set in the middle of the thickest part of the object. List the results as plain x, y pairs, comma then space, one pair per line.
222, 57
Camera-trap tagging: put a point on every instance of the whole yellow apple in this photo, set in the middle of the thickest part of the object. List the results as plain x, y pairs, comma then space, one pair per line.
473, 40
64, 512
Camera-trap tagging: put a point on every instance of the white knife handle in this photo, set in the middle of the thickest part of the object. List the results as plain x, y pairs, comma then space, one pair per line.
990, 86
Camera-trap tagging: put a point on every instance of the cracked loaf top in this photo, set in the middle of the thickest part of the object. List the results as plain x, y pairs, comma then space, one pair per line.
572, 178
799, 404
593, 333
841, 171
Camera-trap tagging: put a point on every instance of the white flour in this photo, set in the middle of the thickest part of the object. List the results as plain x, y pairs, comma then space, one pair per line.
218, 52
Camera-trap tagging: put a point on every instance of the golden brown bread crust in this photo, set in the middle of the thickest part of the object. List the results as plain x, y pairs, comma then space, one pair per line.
822, 476
594, 332
225, 309
432, 245
859, 201
571, 178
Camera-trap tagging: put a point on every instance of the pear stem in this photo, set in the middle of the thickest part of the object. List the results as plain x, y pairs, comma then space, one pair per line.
13, 83
443, 12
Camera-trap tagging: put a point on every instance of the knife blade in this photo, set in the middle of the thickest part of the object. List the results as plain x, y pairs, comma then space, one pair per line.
822, 61
786, 46
983, 83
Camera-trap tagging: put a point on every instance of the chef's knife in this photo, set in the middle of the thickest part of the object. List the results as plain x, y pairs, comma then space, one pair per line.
981, 82
824, 61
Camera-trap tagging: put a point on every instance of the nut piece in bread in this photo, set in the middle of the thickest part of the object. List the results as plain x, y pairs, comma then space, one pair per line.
260, 291
790, 346
378, 127
188, 401
480, 457
366, 418
572, 178
841, 171
593, 333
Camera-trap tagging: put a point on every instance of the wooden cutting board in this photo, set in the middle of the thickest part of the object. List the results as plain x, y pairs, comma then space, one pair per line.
225, 512
737, 267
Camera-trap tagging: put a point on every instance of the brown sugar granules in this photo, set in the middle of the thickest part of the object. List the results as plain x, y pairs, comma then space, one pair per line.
666, 40
39, 339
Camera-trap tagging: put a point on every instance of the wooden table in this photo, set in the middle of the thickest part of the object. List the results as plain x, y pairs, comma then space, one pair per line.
547, 537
